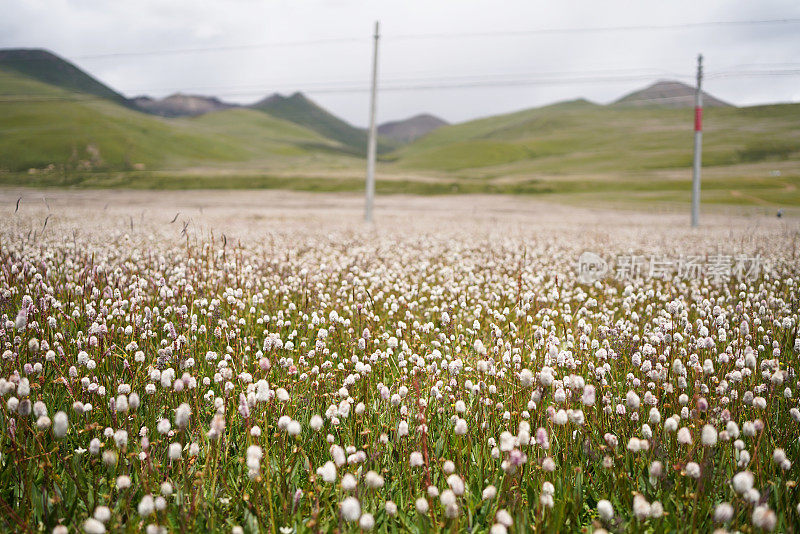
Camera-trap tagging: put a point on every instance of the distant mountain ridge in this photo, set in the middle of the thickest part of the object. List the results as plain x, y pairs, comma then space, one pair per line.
668, 94
45, 66
55, 116
412, 128
181, 105
299, 109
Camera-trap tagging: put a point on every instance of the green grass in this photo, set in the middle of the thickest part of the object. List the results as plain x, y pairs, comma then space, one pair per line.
572, 149
586, 138
300, 110
52, 127
43, 66
632, 189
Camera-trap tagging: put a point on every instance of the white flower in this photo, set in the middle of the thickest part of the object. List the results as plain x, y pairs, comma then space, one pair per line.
254, 455
743, 482
402, 429
605, 509
373, 480
448, 497
366, 522
182, 414
327, 472
415, 460
561, 418
764, 518
109, 457
588, 396
461, 427
526, 378
21, 321
175, 450
102, 513
546, 376
684, 436
733, 429
548, 464
723, 512
655, 416
391, 508
421, 505
294, 428
656, 510
338, 455
146, 506
163, 426
43, 423
93, 526
121, 438
489, 492
670, 425
316, 422
692, 470
217, 427
349, 482
641, 508
456, 483
123, 482
504, 518
351, 509
632, 400
709, 436
60, 425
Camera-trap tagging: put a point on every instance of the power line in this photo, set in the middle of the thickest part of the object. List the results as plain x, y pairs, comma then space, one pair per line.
439, 84
337, 40
273, 85
599, 29
444, 36
494, 79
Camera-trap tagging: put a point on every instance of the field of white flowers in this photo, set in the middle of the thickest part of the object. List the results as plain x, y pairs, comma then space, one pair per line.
269, 370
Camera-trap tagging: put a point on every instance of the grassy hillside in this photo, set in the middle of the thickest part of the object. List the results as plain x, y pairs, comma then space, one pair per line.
46, 67
583, 138
572, 152
54, 127
304, 112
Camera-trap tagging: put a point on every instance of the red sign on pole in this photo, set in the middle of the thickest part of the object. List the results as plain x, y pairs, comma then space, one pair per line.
698, 119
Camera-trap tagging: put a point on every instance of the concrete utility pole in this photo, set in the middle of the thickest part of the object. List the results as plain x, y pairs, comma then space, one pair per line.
372, 144
698, 143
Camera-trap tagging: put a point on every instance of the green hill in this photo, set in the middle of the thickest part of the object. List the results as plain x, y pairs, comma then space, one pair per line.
584, 138
59, 126
44, 126
44, 66
299, 109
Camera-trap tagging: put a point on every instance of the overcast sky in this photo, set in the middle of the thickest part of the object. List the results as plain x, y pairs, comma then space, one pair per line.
600, 66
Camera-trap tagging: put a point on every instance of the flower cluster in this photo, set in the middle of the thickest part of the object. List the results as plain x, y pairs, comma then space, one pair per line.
351, 379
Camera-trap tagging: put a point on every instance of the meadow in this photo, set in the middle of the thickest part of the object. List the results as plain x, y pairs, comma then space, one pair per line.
576, 152
264, 362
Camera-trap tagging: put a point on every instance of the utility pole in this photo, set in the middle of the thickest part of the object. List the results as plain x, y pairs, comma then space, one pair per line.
372, 144
698, 143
